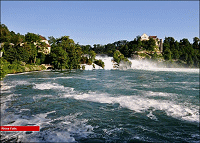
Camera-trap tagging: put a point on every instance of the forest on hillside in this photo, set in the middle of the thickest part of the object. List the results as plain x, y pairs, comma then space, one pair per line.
19, 51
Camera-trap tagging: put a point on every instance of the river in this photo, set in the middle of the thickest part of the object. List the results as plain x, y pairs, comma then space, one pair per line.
133, 105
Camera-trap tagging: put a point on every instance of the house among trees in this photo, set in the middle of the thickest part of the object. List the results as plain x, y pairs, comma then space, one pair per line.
45, 48
158, 42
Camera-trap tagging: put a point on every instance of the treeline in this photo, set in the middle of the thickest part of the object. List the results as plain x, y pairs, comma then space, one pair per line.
21, 53
29, 49
127, 48
183, 52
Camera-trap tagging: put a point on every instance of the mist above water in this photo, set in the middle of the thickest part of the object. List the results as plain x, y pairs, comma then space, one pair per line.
142, 65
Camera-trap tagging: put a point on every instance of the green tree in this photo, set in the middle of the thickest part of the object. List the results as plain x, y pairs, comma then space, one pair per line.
65, 42
3, 68
110, 49
73, 59
100, 63
59, 58
10, 54
31, 37
167, 54
41, 57
4, 34
190, 61
92, 55
196, 59
125, 51
52, 40
22, 54
16, 38
86, 49
118, 56
32, 51
151, 44
154, 56
175, 54
196, 42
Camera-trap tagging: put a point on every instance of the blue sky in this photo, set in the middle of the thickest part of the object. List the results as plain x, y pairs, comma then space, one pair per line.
103, 22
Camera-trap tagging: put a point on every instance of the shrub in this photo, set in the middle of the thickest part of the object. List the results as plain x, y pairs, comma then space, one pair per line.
83, 67
89, 62
100, 63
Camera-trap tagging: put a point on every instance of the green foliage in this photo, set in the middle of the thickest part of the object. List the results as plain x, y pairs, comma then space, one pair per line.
116, 56
4, 34
52, 40
3, 68
154, 56
10, 54
92, 55
190, 61
100, 63
16, 38
83, 60
167, 54
89, 62
38, 62
151, 44
21, 52
196, 42
110, 49
72, 51
86, 49
31, 37
175, 54
83, 67
99, 49
125, 50
40, 58
59, 58
16, 67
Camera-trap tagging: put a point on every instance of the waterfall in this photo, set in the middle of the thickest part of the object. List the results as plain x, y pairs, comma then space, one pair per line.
108, 62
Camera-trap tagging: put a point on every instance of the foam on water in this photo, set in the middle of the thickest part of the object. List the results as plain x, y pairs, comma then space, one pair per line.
153, 66
151, 116
51, 86
5, 100
37, 97
142, 104
63, 131
65, 128
6, 88
44, 86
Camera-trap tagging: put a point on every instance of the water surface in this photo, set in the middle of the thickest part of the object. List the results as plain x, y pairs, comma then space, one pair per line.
132, 105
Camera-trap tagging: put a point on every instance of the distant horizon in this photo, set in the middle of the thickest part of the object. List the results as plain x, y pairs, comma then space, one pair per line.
103, 22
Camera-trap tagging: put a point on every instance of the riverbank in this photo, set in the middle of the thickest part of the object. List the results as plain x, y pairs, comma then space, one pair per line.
14, 68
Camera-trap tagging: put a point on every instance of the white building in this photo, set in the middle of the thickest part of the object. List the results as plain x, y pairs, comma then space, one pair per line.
47, 49
144, 37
